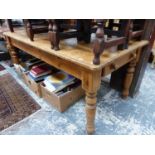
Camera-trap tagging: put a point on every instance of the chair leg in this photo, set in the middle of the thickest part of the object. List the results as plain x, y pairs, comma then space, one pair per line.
126, 29
84, 30
9, 22
54, 35
29, 30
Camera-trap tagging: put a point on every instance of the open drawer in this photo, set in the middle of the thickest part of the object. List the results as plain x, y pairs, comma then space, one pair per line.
63, 101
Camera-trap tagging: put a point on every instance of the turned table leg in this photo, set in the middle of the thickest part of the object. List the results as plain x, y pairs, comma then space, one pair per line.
14, 56
90, 112
13, 52
128, 78
91, 83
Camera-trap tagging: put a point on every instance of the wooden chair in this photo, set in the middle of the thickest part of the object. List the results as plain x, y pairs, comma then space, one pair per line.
100, 44
83, 31
137, 27
35, 26
59, 30
124, 30
54, 27
32, 26
13, 23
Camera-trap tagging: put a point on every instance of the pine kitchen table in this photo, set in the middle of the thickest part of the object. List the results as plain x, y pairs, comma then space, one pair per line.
76, 59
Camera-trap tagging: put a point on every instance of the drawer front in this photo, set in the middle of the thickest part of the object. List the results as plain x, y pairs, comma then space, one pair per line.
116, 64
64, 101
50, 98
35, 87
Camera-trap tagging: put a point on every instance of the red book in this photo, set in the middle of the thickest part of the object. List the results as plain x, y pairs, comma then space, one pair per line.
40, 69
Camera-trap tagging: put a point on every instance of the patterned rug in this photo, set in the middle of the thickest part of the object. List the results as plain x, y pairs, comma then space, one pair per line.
1, 68
15, 103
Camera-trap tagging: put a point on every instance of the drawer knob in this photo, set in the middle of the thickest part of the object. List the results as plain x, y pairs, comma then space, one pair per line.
133, 55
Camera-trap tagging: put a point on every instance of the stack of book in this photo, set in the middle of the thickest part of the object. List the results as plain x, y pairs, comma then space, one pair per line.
39, 72
27, 65
30, 63
59, 82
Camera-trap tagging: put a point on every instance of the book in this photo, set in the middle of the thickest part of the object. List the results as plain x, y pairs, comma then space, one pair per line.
58, 81
30, 63
40, 69
74, 84
44, 73
51, 88
39, 79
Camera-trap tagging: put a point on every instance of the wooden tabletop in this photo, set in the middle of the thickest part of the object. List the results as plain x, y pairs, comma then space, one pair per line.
80, 54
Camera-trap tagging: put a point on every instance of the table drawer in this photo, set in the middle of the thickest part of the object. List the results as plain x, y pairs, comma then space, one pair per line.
117, 63
62, 102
